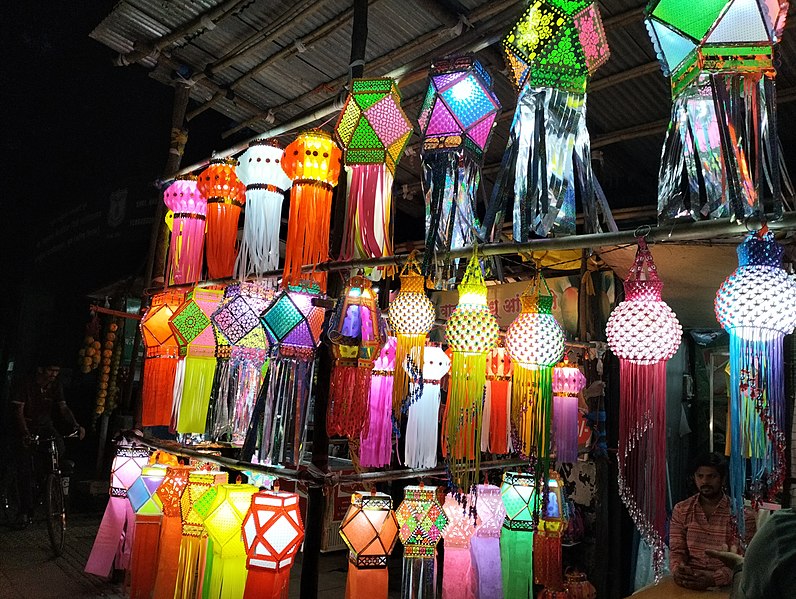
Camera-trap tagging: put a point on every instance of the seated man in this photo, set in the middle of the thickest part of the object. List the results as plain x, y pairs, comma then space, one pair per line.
704, 521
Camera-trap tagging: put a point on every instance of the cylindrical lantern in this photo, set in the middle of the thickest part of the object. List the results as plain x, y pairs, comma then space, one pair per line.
456, 121
272, 535
547, 564
146, 505
189, 209
756, 307
376, 443
497, 402
370, 530
568, 382
485, 544
521, 499
355, 332
312, 161
374, 131
260, 170
472, 331
457, 576
411, 317
225, 196
421, 439
162, 357
421, 520
170, 494
643, 333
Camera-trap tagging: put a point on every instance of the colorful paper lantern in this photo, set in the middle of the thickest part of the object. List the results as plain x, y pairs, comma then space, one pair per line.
421, 439
194, 378
169, 495
643, 333
547, 561
497, 402
355, 333
421, 520
552, 51
189, 209
755, 306
373, 131
456, 121
485, 544
411, 317
162, 357
521, 499
568, 382
457, 579
260, 170
376, 443
312, 162
146, 505
370, 530
272, 534
472, 331
722, 138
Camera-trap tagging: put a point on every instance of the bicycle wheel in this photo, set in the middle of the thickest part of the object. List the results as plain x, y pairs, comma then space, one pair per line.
56, 513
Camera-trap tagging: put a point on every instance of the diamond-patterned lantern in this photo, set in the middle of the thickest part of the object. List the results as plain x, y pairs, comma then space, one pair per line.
189, 208
146, 505
143, 492
126, 468
272, 534
370, 531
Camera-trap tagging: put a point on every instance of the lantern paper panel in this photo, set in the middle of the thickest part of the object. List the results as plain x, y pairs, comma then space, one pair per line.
143, 492
521, 499
457, 580
376, 443
485, 544
186, 247
568, 381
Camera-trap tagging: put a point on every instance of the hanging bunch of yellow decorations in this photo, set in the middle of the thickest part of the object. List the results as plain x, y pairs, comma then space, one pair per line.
472, 332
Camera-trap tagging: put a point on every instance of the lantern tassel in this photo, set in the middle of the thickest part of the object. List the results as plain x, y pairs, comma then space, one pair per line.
247, 363
565, 428
113, 543
187, 579
262, 584
376, 442
547, 563
348, 401
198, 383
186, 249
419, 578
168, 557
485, 555
422, 424
227, 578
498, 400
158, 390
516, 557
532, 398
259, 248
144, 559
308, 231
222, 226
366, 583
408, 345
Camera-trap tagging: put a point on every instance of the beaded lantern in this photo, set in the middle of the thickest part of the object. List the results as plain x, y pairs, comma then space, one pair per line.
370, 530
521, 500
568, 382
189, 209
162, 357
312, 162
260, 170
222, 509
485, 544
226, 196
143, 498
194, 332
376, 442
456, 122
643, 333
293, 325
272, 534
356, 337
169, 495
457, 580
721, 156
535, 341
373, 130
552, 50
421, 520
472, 331
755, 306
411, 317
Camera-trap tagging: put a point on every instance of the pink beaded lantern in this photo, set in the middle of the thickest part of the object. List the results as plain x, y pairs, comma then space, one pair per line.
644, 333
189, 208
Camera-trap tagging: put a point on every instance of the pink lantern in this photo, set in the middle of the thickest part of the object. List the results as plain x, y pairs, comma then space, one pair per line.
568, 381
189, 208
457, 581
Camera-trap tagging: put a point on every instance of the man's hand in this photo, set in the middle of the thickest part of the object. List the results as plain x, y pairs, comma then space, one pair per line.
689, 578
728, 558
81, 432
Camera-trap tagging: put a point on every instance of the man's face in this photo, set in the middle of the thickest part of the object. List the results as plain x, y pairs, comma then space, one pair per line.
708, 481
48, 374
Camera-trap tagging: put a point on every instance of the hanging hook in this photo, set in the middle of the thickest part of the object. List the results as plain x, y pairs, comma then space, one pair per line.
642, 232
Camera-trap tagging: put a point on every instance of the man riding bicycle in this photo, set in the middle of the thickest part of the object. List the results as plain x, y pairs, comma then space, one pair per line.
37, 405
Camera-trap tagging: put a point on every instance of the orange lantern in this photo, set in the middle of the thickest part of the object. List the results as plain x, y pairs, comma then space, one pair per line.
170, 494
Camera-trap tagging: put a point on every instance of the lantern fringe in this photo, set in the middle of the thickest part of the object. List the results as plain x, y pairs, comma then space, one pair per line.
205, 567
565, 428
259, 248
221, 406
422, 425
114, 541
187, 580
144, 558
348, 414
227, 577
265, 584
247, 364
547, 561
463, 414
642, 451
157, 390
222, 235
376, 442
457, 576
532, 399
168, 557
419, 578
366, 583
186, 249
485, 555
408, 345
307, 232
198, 383
516, 557
368, 224
496, 413
179, 387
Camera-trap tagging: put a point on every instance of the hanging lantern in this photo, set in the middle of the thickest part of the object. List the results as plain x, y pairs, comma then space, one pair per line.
472, 331
578, 586
225, 198
551, 51
376, 442
312, 161
547, 563
293, 325
485, 544
411, 317
260, 170
421, 520
456, 121
146, 505
535, 341
373, 131
497, 402
162, 357
169, 495
568, 382
272, 535
194, 378
370, 530
643, 333
421, 438
222, 509
113, 543
356, 337
755, 306
521, 499
189, 209
457, 580
722, 137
